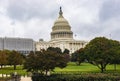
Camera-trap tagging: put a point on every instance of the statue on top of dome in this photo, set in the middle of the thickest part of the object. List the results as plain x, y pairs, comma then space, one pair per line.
60, 13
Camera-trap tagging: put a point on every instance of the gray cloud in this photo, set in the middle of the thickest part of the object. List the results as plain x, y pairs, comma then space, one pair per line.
110, 9
107, 23
25, 10
35, 18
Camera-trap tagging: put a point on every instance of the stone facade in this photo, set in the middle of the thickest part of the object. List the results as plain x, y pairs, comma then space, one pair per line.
22, 45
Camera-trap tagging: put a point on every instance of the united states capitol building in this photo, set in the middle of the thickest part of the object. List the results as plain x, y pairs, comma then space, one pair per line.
61, 36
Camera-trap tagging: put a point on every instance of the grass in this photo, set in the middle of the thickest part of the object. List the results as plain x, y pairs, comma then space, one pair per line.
71, 68
9, 70
86, 68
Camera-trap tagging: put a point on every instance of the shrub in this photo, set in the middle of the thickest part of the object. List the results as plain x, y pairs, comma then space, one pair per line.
82, 77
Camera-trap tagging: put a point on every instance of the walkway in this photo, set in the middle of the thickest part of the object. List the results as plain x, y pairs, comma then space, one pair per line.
25, 79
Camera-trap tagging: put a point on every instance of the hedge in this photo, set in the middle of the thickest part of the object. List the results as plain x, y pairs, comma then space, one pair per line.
84, 77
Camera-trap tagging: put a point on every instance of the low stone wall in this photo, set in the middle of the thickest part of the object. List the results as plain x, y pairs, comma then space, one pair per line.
4, 75
9, 77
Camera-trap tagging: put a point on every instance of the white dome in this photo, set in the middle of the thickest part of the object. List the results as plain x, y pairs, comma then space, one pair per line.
61, 28
61, 21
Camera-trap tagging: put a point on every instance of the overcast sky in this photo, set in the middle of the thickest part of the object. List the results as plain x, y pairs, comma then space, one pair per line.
35, 18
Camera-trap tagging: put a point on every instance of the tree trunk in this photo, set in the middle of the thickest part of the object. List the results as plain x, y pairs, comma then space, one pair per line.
14, 67
115, 67
102, 68
47, 72
78, 63
1, 66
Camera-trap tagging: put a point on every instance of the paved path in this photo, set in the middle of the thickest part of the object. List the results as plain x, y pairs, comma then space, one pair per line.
25, 79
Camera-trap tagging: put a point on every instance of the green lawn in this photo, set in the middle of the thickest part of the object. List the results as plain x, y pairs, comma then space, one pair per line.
71, 68
86, 68
9, 70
